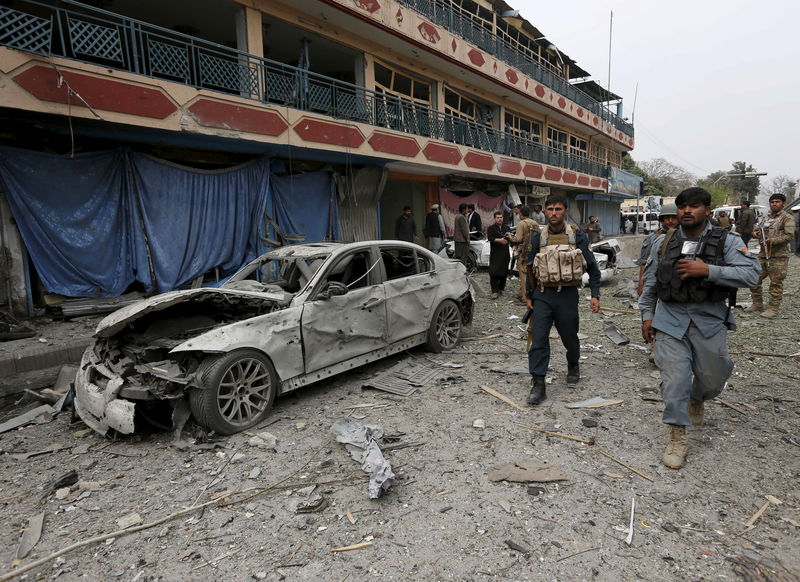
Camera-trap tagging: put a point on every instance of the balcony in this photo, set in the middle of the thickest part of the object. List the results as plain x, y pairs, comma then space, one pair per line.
443, 13
96, 36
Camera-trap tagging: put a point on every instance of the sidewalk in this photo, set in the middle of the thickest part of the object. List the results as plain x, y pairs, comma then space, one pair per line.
34, 362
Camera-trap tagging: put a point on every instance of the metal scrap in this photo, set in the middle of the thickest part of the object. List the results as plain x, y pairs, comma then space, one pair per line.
26, 418
30, 536
360, 441
616, 335
403, 378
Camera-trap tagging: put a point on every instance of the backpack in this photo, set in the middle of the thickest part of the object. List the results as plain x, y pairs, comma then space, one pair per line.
559, 265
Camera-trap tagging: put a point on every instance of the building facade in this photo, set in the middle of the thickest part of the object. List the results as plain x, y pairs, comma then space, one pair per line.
401, 101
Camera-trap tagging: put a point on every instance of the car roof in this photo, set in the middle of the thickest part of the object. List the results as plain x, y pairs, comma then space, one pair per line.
318, 249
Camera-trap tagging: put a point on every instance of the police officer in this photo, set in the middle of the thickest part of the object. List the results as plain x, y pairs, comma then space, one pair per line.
774, 232
686, 283
669, 219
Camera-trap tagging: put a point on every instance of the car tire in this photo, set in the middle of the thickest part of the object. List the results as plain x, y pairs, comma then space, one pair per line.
236, 391
444, 332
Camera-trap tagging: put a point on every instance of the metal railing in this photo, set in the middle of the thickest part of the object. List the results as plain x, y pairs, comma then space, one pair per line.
442, 12
97, 36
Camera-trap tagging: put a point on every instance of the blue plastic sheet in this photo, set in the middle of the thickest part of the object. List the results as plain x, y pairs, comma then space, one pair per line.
306, 204
77, 219
196, 221
89, 221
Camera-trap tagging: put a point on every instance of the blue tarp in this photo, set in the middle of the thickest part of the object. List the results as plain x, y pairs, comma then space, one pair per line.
196, 221
306, 204
77, 219
83, 219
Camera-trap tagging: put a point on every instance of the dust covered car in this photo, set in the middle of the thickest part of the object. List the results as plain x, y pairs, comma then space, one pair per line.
293, 316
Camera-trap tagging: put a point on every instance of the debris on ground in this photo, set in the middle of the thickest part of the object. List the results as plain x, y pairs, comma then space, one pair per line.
595, 402
39, 415
527, 470
360, 442
30, 537
616, 335
403, 379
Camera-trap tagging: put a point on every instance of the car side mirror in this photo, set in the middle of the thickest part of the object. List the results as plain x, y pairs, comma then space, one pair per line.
333, 289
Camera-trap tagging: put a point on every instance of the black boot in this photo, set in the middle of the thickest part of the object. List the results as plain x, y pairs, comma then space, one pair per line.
538, 393
573, 373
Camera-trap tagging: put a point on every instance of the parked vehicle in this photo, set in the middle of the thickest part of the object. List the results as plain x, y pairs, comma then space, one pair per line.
294, 316
478, 254
647, 221
605, 253
733, 212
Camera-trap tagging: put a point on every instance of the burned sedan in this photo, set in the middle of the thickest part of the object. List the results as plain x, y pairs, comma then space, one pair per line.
293, 316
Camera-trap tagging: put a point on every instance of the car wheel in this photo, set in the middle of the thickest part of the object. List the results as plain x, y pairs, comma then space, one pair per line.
445, 329
236, 391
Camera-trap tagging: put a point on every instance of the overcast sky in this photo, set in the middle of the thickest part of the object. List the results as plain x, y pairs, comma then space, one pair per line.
719, 81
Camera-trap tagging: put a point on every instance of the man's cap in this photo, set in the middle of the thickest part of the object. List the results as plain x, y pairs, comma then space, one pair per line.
434, 207
668, 210
777, 196
745, 203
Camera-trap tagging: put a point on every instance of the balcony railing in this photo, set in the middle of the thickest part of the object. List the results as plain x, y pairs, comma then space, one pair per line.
442, 12
97, 36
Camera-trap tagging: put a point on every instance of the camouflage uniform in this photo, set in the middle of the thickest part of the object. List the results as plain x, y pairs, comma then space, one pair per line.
779, 229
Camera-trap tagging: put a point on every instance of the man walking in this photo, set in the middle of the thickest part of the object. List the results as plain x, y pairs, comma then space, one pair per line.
434, 228
558, 257
774, 233
405, 228
499, 256
746, 222
522, 239
538, 215
593, 229
691, 272
461, 234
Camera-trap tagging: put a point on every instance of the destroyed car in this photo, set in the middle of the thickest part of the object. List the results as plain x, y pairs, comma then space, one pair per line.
605, 253
294, 316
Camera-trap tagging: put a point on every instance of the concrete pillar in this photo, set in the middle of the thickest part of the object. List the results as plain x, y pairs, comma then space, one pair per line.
249, 35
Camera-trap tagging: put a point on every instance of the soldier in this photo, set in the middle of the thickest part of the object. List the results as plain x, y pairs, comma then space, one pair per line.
746, 222
774, 233
553, 292
522, 239
723, 220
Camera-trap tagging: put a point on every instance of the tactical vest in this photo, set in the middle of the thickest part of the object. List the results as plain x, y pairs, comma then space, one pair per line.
559, 263
670, 286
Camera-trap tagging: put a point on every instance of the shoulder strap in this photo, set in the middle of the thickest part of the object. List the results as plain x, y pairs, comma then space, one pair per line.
570, 234
668, 237
543, 237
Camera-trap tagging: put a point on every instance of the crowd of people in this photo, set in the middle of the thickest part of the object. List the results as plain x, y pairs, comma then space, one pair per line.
689, 272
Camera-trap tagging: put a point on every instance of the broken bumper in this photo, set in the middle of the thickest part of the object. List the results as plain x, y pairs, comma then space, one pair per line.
98, 405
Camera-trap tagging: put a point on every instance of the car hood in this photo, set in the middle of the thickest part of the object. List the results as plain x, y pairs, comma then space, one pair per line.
113, 323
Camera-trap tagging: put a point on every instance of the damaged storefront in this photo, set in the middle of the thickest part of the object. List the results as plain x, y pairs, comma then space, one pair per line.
100, 225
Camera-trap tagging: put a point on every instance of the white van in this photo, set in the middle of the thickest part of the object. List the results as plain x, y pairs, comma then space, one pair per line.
648, 222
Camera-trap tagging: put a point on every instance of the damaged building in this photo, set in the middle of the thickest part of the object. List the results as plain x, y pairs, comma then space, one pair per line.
151, 146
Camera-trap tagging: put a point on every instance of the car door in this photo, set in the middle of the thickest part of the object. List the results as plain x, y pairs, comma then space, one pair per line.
411, 287
337, 327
